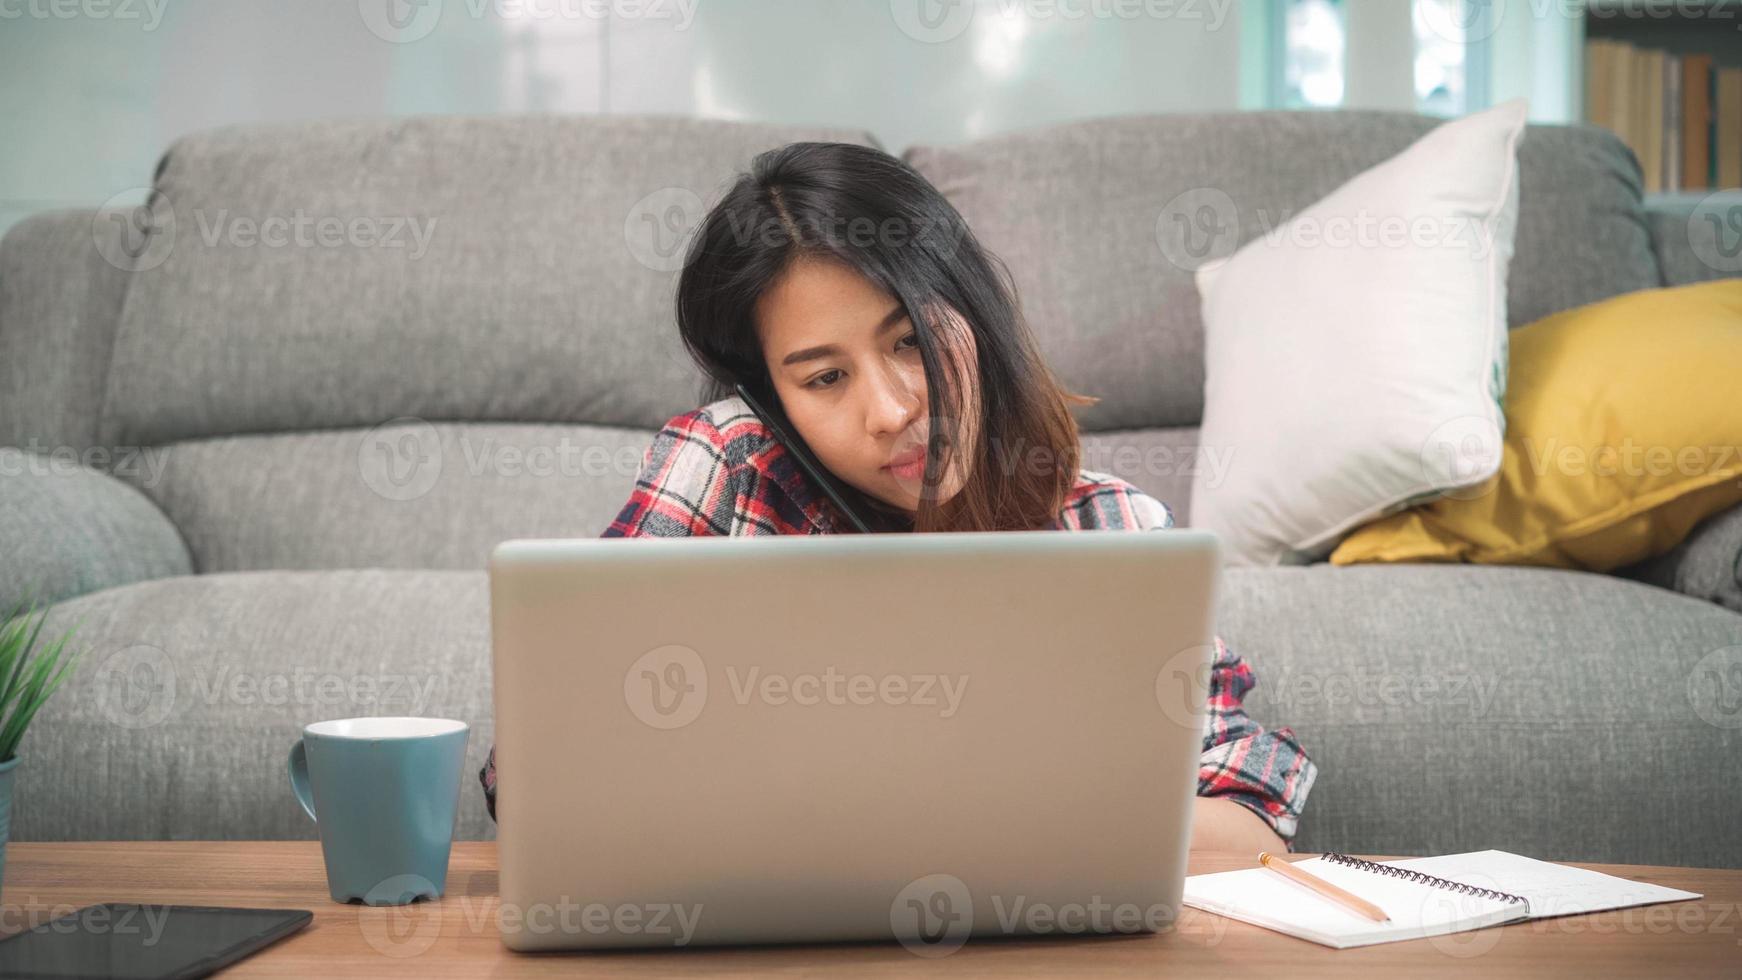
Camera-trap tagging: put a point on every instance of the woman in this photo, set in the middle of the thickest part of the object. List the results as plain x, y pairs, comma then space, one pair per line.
836, 283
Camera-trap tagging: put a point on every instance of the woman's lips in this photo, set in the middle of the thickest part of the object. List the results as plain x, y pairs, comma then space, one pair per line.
908, 464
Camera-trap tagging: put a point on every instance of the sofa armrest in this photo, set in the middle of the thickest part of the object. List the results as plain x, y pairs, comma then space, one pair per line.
68, 529
1706, 565
1694, 236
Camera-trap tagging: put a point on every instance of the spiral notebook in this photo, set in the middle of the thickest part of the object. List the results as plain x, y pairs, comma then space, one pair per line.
1423, 896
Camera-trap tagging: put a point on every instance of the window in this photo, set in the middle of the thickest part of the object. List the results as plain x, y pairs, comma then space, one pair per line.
1312, 54
1309, 53
1451, 64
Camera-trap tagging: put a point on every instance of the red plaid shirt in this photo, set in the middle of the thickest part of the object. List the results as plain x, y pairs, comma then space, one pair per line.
718, 470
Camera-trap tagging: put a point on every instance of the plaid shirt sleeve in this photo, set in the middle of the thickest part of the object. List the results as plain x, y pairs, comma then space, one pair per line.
1265, 771
686, 486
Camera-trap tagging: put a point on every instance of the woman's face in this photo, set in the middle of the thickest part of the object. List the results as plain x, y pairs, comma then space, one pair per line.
845, 362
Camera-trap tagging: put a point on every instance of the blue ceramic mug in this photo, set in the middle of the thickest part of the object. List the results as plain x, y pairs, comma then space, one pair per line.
383, 793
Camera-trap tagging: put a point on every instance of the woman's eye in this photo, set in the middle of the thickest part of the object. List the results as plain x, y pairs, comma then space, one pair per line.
913, 337
817, 382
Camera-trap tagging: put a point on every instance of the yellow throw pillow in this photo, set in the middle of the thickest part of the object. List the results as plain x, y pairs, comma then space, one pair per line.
1623, 431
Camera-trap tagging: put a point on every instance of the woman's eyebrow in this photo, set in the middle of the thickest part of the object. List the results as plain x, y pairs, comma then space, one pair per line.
890, 319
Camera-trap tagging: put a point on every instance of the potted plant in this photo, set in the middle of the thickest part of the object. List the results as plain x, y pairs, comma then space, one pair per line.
28, 675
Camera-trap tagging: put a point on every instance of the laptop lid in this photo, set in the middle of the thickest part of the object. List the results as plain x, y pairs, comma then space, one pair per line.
922, 737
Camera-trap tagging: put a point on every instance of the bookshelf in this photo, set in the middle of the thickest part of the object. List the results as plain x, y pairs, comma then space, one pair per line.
1667, 78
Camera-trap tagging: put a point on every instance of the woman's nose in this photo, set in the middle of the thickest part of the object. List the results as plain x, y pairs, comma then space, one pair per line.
896, 400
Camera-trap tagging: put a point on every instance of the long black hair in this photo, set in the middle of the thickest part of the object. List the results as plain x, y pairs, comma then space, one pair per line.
867, 209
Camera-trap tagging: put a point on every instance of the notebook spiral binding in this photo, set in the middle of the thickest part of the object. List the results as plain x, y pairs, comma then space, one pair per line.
1425, 879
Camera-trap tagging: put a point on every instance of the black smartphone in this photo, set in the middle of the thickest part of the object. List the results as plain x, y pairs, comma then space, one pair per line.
818, 473
144, 942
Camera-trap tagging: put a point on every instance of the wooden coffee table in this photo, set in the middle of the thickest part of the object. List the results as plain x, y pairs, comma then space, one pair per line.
456, 937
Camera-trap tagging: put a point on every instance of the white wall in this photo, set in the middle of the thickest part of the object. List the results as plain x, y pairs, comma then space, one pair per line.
1379, 55
92, 90
1541, 58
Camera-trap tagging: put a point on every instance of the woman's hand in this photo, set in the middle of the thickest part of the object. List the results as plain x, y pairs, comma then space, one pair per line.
1223, 825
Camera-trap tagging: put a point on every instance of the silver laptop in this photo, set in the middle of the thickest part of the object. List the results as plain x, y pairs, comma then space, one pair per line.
925, 738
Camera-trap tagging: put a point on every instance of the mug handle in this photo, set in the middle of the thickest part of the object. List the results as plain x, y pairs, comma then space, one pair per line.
299, 779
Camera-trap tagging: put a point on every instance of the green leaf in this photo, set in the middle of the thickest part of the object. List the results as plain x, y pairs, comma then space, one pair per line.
29, 699
22, 653
9, 742
30, 675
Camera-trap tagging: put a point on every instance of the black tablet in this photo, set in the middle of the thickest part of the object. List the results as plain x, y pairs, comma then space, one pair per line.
144, 942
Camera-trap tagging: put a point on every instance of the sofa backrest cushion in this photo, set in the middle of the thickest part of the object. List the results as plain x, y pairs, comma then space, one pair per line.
348, 272
1086, 215
58, 302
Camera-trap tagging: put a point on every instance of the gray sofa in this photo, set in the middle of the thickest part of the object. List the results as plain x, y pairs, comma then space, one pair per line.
262, 469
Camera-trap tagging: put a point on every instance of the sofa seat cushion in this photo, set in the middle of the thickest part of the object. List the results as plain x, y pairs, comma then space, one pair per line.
1448, 708
1454, 708
177, 723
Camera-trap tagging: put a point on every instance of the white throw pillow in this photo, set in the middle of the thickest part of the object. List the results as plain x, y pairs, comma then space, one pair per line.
1355, 354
